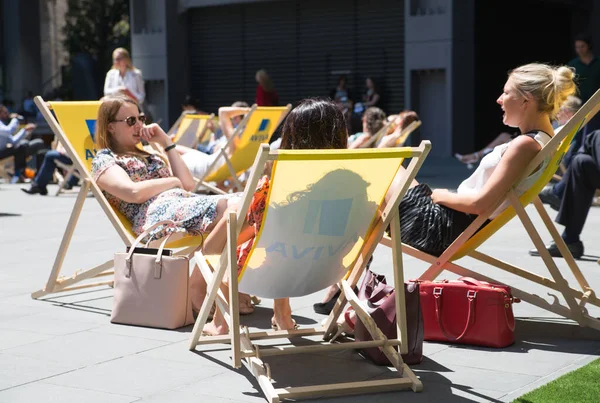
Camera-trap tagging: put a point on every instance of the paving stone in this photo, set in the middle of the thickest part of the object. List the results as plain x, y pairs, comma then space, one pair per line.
15, 370
135, 376
48, 393
84, 348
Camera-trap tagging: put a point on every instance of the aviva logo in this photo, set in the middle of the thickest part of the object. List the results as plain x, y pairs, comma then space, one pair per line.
90, 153
263, 131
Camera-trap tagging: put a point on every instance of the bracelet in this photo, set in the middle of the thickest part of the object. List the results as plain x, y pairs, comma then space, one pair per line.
169, 148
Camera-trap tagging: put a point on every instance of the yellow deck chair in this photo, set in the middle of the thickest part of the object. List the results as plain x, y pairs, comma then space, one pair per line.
467, 243
75, 131
192, 129
407, 132
255, 129
324, 217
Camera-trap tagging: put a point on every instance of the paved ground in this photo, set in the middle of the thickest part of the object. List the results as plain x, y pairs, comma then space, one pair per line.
64, 348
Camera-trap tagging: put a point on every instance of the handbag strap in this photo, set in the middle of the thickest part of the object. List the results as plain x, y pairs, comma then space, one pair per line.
471, 295
158, 259
472, 281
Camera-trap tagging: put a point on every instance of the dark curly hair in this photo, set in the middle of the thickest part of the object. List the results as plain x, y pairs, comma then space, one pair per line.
316, 123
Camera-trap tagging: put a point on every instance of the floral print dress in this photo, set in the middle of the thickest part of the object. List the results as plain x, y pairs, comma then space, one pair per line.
192, 212
255, 218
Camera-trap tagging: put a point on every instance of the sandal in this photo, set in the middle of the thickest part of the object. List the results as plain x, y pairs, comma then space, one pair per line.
274, 325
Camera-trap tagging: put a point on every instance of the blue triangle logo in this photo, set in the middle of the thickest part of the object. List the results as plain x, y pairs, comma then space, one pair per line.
91, 124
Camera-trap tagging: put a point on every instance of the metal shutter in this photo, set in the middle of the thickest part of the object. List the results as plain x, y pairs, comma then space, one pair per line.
302, 44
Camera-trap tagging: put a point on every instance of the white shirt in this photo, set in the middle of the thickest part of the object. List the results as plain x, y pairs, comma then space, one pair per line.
475, 182
133, 81
6, 132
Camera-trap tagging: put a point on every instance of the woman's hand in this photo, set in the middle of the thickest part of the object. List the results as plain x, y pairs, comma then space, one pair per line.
154, 134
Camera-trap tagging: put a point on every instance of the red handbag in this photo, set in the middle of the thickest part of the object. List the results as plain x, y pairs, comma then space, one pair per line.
468, 311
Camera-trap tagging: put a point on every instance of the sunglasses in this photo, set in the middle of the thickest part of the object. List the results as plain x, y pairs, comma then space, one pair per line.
132, 120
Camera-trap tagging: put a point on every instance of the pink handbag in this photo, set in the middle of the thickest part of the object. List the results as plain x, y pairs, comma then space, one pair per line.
151, 289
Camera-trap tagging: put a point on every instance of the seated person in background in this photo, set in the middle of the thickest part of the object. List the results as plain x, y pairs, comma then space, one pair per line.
313, 124
191, 105
401, 122
44, 175
568, 109
17, 145
580, 183
229, 118
372, 121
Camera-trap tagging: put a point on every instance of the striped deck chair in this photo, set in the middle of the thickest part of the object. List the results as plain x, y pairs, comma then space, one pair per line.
324, 217
76, 133
407, 132
256, 128
467, 243
192, 129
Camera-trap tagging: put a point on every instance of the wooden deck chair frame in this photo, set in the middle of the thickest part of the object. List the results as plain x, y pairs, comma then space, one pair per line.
242, 347
4, 171
217, 163
81, 278
377, 136
407, 132
200, 135
467, 243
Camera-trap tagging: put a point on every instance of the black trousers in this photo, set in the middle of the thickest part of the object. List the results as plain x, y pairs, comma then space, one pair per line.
581, 181
21, 151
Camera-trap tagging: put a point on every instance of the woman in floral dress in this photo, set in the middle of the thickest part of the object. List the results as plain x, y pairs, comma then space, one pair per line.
149, 188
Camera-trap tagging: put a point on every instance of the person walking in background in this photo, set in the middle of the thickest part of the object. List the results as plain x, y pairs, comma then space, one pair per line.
124, 78
265, 92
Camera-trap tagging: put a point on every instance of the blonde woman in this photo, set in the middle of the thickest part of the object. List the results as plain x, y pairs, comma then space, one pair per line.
531, 98
124, 78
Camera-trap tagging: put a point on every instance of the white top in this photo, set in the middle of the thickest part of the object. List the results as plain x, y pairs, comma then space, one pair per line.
133, 81
475, 182
6, 132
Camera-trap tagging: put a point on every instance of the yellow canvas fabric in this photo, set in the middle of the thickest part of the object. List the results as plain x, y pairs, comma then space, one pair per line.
321, 207
190, 129
261, 125
78, 121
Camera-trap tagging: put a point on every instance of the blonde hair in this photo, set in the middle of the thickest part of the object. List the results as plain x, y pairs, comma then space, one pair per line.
109, 108
264, 80
548, 85
124, 53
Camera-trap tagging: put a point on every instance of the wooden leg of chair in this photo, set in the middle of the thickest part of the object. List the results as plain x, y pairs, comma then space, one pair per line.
560, 243
234, 304
64, 245
399, 285
550, 264
362, 314
213, 289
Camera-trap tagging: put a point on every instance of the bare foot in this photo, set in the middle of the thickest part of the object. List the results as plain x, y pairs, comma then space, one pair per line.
246, 306
210, 329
